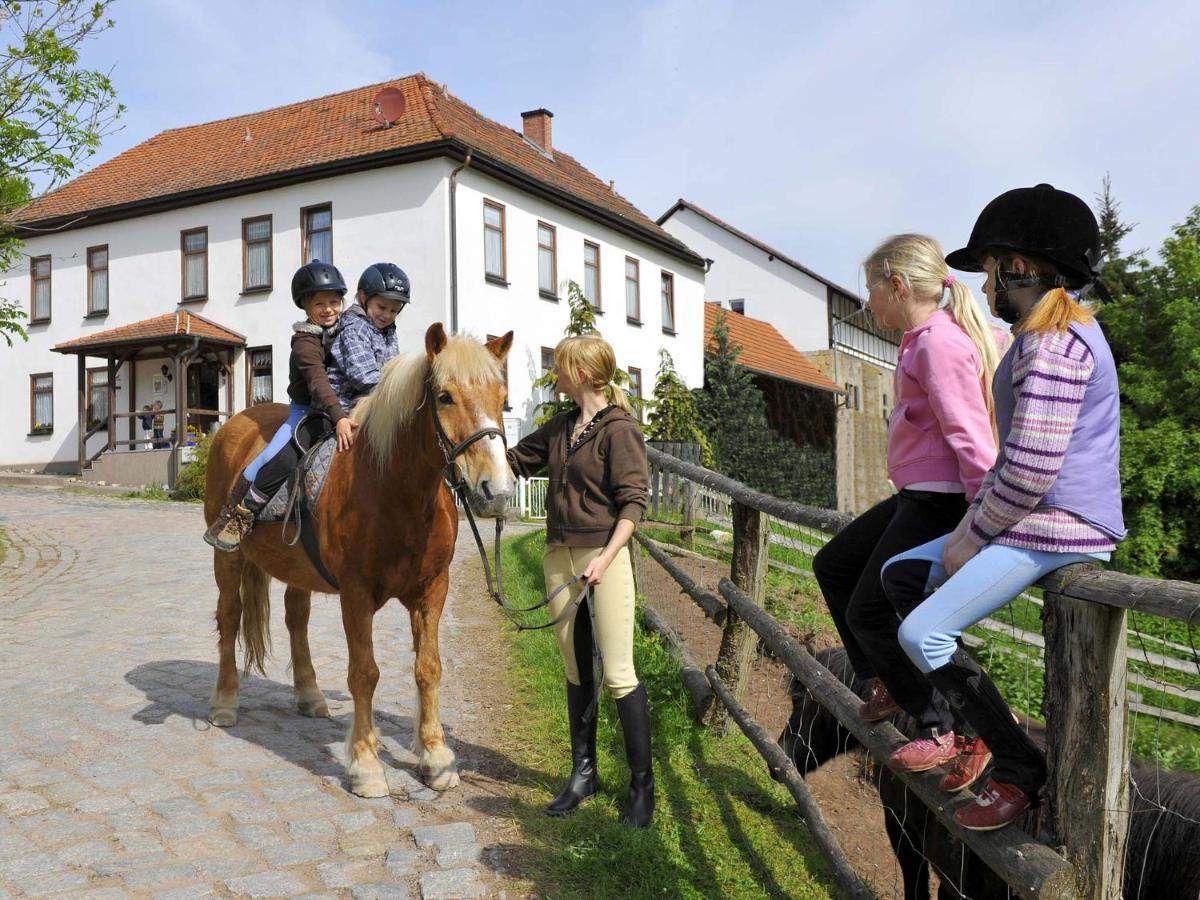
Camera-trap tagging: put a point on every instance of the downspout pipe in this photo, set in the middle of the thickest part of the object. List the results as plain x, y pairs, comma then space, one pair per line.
454, 243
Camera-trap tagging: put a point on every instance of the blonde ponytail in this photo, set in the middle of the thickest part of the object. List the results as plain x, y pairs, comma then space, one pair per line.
970, 318
617, 396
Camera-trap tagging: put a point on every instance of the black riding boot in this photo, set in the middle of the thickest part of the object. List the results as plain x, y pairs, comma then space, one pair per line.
634, 710
583, 781
973, 696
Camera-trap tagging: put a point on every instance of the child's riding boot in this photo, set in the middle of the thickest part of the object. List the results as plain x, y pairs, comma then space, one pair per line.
230, 527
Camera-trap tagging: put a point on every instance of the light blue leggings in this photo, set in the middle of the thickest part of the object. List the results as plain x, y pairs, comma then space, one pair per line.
989, 580
296, 412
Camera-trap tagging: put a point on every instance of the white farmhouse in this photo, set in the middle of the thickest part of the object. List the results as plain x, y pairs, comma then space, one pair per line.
164, 273
819, 317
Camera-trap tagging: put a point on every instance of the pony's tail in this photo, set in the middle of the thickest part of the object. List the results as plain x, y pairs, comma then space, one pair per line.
255, 633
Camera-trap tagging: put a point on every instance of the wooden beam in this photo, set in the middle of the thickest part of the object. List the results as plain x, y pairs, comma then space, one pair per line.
131, 361
739, 646
1087, 749
785, 770
111, 392
82, 410
1033, 870
1179, 600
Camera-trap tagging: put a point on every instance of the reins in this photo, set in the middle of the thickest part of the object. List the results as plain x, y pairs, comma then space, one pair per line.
456, 480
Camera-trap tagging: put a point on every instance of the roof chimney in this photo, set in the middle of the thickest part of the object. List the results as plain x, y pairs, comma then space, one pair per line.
536, 126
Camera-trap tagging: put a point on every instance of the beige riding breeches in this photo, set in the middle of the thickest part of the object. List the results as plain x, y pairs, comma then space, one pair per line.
613, 615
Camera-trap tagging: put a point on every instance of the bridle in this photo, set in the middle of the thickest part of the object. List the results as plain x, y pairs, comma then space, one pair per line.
455, 477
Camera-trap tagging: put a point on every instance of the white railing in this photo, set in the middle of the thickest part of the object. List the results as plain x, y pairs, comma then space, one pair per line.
529, 500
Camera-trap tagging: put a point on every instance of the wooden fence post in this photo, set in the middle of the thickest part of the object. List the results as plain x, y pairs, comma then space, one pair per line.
689, 514
739, 643
1087, 749
655, 482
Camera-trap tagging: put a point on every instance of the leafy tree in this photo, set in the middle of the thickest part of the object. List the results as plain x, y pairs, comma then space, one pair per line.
675, 416
53, 112
1153, 326
582, 321
733, 413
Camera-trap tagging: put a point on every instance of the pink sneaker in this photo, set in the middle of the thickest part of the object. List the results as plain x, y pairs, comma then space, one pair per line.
924, 754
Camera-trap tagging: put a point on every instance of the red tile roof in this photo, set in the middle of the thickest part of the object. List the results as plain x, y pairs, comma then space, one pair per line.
181, 323
765, 350
314, 135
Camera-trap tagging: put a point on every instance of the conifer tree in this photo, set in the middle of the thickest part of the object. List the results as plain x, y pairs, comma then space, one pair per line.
674, 416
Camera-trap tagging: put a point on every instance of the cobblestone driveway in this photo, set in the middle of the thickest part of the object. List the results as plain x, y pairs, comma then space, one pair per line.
113, 784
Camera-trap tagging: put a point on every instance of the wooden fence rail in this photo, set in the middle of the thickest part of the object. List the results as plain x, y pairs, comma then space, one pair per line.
1086, 705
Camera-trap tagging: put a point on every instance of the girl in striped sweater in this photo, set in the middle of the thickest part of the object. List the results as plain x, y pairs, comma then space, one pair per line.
1054, 495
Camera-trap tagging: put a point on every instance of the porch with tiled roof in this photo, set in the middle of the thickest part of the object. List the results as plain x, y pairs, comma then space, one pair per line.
182, 338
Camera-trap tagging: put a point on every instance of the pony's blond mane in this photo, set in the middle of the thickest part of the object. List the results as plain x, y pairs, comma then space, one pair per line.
401, 389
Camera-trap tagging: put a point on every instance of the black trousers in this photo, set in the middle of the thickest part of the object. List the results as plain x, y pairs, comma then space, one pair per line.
848, 567
974, 700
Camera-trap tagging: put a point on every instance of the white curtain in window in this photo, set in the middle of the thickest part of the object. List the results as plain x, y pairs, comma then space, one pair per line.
43, 404
320, 247
631, 289
197, 275
589, 285
100, 290
41, 300
668, 303
258, 253
493, 252
546, 270
99, 398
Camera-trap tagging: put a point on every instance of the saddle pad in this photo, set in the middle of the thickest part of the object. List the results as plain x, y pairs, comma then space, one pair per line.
312, 480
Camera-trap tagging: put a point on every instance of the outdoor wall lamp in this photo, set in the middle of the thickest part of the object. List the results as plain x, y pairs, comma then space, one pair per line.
167, 373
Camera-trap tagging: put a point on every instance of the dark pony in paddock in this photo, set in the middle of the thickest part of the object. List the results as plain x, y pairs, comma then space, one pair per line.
1162, 858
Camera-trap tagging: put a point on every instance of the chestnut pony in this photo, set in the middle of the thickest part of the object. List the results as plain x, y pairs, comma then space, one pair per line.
387, 524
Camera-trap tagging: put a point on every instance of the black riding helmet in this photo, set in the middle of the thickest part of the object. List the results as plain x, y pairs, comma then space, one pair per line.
314, 277
1041, 221
385, 280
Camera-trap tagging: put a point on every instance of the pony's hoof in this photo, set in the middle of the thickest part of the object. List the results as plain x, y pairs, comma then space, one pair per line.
438, 769
371, 786
443, 781
313, 707
223, 718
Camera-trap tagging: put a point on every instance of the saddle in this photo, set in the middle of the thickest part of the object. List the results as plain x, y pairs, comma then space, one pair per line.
295, 502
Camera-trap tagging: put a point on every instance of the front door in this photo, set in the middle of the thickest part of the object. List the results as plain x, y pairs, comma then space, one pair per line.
203, 393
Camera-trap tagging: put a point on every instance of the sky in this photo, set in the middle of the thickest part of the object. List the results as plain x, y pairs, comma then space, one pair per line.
820, 128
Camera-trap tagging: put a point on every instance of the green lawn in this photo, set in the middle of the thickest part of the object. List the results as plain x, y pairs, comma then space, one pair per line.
723, 828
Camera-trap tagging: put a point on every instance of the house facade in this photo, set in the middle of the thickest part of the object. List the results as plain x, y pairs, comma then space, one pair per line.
824, 320
490, 224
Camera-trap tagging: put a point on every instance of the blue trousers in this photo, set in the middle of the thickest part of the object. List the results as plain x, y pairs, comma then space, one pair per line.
989, 580
271, 468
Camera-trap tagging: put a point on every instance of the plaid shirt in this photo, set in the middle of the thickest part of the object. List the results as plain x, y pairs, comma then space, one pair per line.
358, 355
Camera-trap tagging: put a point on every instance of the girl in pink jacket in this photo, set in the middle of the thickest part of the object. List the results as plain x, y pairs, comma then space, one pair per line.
941, 443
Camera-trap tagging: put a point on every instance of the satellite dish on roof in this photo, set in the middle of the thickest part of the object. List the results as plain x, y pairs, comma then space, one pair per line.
388, 105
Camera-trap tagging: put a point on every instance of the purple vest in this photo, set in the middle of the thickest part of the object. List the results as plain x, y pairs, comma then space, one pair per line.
1089, 482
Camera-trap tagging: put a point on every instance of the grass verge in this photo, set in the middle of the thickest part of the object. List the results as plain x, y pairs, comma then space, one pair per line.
723, 828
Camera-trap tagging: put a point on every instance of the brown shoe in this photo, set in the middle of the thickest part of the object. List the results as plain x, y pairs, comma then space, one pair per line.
239, 524
879, 704
998, 806
236, 494
973, 758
